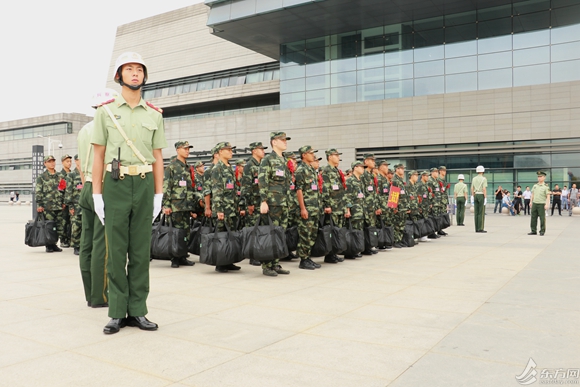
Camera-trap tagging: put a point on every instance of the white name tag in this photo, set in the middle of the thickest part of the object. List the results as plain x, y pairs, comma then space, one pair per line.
182, 183
370, 188
335, 187
279, 172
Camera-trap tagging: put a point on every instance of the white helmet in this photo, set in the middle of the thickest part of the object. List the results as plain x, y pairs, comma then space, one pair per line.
129, 57
460, 177
480, 168
103, 96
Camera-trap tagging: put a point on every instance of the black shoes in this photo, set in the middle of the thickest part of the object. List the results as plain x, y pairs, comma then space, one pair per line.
231, 266
374, 251
115, 325
331, 259
278, 269
306, 264
254, 262
442, 233
482, 231
76, 251
316, 265
461, 225
367, 252
141, 323
541, 234
185, 262
104, 305
65, 245
175, 263
52, 249
532, 233
221, 269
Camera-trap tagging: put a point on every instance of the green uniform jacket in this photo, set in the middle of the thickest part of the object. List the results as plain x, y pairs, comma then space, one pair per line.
74, 185
370, 191
403, 205
274, 180
250, 186
425, 198
383, 191
47, 193
198, 183
223, 190
444, 192
333, 189
412, 191
307, 182
355, 197
435, 191
178, 193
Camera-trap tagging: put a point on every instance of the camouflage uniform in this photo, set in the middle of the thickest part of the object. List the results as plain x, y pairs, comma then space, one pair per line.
64, 216
74, 185
371, 198
333, 193
293, 206
424, 197
224, 198
307, 182
274, 180
355, 200
401, 215
198, 189
51, 198
443, 186
383, 191
435, 190
251, 189
413, 192
178, 193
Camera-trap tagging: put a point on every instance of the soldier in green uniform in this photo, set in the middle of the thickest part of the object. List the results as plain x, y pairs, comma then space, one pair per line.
49, 197
179, 198
435, 199
403, 210
372, 208
540, 202
74, 185
240, 201
293, 207
198, 177
384, 177
444, 188
333, 194
207, 183
308, 195
479, 198
413, 192
424, 199
129, 197
224, 202
250, 187
355, 199
460, 194
274, 180
64, 215
92, 252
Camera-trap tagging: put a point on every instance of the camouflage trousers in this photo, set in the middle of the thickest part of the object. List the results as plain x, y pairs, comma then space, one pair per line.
56, 215
65, 224
370, 217
357, 224
221, 224
279, 216
252, 219
337, 218
307, 232
399, 225
76, 222
180, 219
293, 212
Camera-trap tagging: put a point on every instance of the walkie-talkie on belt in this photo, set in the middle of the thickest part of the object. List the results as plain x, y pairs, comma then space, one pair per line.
115, 167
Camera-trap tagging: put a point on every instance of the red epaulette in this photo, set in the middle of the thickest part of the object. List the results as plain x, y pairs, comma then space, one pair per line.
154, 107
107, 102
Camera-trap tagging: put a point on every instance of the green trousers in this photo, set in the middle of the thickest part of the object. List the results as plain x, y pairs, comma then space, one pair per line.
460, 214
307, 232
65, 225
128, 218
399, 225
479, 211
92, 251
279, 216
538, 211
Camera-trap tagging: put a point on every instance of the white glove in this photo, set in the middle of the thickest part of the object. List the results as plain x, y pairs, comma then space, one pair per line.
99, 207
472, 201
157, 199
485, 202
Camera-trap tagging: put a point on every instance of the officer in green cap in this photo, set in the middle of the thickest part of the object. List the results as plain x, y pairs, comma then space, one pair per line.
540, 202
479, 198
128, 139
444, 187
308, 194
179, 198
333, 194
274, 180
460, 194
74, 185
49, 198
354, 199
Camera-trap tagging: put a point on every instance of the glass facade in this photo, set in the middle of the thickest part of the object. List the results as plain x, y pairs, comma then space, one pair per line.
526, 43
35, 131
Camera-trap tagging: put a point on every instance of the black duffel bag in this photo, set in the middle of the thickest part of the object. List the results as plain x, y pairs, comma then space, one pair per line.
445, 220
427, 227
436, 223
168, 242
371, 235
264, 242
355, 240
338, 236
292, 238
40, 232
418, 228
323, 243
197, 230
221, 248
386, 233
408, 237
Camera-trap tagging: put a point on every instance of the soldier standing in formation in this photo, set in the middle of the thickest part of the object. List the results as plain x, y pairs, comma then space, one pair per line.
444, 187
355, 199
424, 199
479, 198
371, 201
74, 185
333, 195
460, 194
198, 177
402, 212
178, 194
64, 216
207, 183
435, 191
540, 203
308, 195
49, 198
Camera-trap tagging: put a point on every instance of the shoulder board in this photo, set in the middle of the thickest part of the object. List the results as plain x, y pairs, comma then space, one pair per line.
154, 107
107, 102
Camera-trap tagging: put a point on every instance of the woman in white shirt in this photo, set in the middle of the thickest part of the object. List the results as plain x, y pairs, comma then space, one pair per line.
527, 195
565, 198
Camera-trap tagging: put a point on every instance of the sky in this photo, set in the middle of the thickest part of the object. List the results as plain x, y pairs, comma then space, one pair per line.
55, 54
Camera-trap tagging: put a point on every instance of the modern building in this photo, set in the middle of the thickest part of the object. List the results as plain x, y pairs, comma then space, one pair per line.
425, 82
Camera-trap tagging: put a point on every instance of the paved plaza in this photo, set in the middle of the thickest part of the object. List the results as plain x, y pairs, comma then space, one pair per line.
464, 310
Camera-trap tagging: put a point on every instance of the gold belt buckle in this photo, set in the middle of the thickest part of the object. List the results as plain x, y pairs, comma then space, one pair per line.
133, 170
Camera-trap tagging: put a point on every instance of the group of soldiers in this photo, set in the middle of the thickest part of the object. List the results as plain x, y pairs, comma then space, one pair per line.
57, 197
293, 190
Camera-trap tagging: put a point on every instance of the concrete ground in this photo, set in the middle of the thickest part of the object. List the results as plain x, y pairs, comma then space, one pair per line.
464, 310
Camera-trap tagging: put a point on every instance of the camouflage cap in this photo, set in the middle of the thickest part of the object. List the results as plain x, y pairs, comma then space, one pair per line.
434, 169
183, 144
223, 145
413, 172
541, 173
443, 168
306, 149
348, 171
257, 144
383, 162
76, 157
65, 156
214, 150
279, 135
332, 151
240, 162
390, 171
356, 163
369, 156
318, 159
199, 164
400, 165
289, 155
49, 157
425, 173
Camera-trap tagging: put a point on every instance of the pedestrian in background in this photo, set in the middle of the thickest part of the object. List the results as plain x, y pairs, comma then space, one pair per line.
527, 195
498, 199
573, 195
564, 198
556, 200
479, 198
